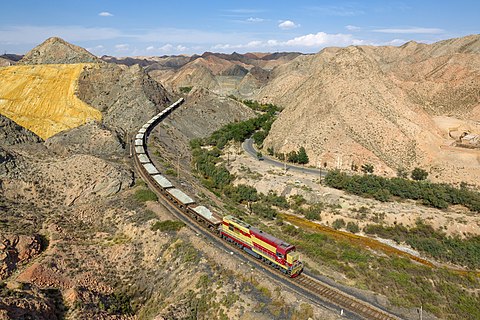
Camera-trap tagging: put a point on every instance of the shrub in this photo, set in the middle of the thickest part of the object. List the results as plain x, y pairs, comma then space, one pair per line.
312, 215
167, 225
367, 168
290, 230
296, 200
352, 227
419, 174
241, 193
275, 200
185, 89
144, 195
264, 211
338, 224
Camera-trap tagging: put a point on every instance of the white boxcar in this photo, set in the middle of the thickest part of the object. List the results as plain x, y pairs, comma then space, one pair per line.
180, 197
139, 150
207, 214
142, 130
139, 136
162, 181
143, 158
150, 168
138, 142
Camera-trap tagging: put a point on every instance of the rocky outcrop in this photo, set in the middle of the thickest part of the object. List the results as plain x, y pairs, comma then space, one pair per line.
126, 96
11, 133
7, 162
30, 302
204, 112
57, 51
6, 62
16, 250
92, 138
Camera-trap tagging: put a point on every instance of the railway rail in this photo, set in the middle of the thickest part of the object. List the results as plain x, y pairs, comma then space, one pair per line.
304, 284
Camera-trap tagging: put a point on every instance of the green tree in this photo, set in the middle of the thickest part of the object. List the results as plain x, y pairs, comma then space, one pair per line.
292, 156
302, 156
419, 174
367, 168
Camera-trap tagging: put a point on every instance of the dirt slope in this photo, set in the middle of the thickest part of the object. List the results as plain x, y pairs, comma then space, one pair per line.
379, 105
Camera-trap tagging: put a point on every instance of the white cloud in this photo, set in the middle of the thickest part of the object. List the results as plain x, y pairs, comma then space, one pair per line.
181, 48
352, 28
122, 47
310, 41
287, 24
105, 14
251, 19
322, 39
395, 42
170, 48
166, 48
97, 50
150, 48
412, 30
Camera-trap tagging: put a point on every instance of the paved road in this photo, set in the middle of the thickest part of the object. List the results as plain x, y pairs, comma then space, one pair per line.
247, 145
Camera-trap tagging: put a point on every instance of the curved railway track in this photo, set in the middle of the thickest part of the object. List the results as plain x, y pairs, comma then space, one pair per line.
317, 291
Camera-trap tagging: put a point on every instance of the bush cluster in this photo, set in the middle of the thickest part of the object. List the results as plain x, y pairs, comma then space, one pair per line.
144, 195
435, 243
436, 195
168, 225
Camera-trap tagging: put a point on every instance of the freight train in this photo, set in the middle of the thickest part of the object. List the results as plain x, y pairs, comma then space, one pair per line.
255, 242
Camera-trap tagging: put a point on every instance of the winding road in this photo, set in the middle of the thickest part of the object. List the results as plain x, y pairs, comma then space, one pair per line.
247, 145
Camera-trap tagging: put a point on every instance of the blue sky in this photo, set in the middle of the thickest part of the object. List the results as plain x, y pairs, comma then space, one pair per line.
126, 28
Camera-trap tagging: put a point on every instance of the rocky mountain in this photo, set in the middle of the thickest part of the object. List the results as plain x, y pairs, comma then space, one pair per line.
126, 96
11, 133
12, 57
389, 106
57, 51
237, 74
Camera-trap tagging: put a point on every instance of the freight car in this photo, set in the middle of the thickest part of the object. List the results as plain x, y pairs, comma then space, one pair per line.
269, 249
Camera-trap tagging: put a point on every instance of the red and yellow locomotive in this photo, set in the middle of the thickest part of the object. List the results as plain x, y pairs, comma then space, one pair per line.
262, 245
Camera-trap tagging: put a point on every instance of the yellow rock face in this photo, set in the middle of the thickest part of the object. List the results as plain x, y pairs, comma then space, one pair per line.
42, 98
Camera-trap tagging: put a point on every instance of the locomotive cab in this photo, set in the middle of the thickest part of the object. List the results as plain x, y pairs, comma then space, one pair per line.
293, 261
292, 256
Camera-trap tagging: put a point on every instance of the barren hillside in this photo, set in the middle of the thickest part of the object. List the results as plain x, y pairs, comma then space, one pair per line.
380, 105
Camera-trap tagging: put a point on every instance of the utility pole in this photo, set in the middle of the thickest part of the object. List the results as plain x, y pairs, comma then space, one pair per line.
319, 172
178, 166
